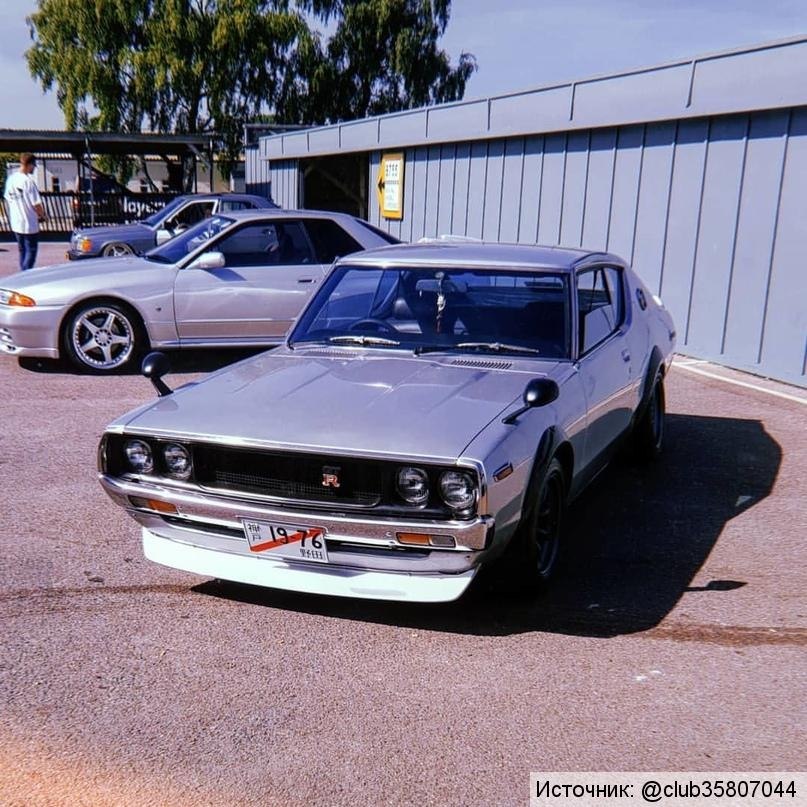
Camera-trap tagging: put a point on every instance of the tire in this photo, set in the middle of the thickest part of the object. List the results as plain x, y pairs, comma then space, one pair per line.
116, 250
538, 542
648, 433
103, 337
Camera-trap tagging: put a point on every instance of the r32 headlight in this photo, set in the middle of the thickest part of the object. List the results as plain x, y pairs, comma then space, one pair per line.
458, 490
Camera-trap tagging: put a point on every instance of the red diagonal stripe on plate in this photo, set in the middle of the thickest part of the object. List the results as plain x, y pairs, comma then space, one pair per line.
293, 538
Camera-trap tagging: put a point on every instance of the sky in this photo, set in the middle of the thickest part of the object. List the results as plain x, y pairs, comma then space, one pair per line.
519, 44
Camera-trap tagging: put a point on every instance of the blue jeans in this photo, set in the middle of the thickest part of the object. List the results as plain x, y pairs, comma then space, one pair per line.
28, 244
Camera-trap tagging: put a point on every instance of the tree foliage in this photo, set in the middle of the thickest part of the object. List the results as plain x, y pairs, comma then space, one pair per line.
199, 66
382, 56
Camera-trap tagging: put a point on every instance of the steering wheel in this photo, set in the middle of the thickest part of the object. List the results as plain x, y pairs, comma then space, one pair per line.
381, 325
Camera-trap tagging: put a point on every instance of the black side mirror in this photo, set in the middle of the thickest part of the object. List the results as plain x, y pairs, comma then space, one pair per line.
538, 392
154, 367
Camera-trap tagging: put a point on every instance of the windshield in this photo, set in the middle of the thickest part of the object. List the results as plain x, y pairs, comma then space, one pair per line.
432, 309
188, 240
155, 218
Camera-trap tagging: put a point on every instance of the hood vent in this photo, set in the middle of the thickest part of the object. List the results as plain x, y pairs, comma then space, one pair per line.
327, 353
482, 364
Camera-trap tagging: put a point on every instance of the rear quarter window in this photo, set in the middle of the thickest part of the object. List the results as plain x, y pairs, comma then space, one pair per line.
330, 240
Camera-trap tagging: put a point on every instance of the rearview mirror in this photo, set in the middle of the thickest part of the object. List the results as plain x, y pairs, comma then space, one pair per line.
208, 260
436, 286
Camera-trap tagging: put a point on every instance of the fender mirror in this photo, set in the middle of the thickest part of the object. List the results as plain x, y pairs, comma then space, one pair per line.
155, 366
538, 392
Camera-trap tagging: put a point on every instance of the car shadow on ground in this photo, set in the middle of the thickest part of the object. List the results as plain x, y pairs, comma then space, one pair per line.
199, 360
637, 537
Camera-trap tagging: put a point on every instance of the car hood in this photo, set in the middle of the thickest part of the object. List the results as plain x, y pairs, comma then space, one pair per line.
373, 405
52, 285
120, 232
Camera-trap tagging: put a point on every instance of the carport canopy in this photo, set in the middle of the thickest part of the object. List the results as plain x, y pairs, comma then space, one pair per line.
84, 146
80, 144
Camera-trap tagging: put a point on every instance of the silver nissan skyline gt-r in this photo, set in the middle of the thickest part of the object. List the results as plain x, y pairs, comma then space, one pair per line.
436, 406
237, 279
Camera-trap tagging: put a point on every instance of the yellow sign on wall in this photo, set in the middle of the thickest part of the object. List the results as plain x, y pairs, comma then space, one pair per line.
389, 186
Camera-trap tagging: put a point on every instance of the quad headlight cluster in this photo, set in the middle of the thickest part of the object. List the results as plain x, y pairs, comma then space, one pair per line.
173, 457
457, 489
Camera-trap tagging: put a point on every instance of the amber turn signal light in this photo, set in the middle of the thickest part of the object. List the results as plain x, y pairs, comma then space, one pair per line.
154, 504
424, 539
17, 299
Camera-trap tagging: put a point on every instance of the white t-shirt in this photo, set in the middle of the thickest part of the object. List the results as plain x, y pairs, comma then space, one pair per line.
21, 195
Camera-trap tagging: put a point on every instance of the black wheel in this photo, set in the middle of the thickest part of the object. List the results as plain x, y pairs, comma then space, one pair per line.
648, 433
103, 337
371, 323
116, 250
538, 541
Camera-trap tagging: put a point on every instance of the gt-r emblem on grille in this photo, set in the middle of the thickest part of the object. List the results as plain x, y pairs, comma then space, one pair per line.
330, 477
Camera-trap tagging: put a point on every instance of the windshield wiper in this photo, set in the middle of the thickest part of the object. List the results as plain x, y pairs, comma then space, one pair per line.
349, 339
498, 347
156, 258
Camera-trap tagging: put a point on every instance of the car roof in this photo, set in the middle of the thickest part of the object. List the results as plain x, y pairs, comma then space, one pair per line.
282, 212
226, 195
482, 253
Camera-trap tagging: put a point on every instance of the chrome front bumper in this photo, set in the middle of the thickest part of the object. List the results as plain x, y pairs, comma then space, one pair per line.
365, 559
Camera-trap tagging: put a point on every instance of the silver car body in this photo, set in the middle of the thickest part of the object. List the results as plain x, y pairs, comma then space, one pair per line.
185, 303
140, 236
325, 409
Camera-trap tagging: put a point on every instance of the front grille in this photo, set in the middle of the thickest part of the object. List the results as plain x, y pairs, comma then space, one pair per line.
297, 477
290, 479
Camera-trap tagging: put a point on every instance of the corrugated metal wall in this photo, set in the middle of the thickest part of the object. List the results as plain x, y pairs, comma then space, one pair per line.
257, 173
278, 180
711, 212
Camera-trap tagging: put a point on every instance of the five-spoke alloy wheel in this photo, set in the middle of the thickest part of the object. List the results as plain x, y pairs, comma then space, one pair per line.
102, 338
116, 250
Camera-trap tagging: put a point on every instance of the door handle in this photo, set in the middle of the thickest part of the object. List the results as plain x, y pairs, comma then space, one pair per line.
625, 355
306, 280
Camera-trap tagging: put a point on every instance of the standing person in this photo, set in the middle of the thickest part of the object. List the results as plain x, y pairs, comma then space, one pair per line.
25, 209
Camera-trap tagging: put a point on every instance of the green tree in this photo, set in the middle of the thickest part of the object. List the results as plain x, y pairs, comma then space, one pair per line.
209, 66
382, 56
170, 66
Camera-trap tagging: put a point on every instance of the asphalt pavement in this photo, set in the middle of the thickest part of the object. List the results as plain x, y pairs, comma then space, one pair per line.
674, 641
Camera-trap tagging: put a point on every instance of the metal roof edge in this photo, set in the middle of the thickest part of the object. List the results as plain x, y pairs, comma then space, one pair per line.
683, 88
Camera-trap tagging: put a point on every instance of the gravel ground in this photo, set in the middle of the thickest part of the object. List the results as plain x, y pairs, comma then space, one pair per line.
674, 641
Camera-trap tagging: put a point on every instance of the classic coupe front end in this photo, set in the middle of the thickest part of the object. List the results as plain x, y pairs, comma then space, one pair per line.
435, 407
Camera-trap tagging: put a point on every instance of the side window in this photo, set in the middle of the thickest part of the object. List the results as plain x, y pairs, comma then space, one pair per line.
267, 244
330, 240
599, 302
235, 204
192, 214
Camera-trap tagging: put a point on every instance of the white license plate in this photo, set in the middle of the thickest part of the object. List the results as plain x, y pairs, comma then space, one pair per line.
286, 540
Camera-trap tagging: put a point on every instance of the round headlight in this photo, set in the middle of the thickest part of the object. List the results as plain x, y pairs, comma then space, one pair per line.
458, 489
177, 460
138, 455
413, 485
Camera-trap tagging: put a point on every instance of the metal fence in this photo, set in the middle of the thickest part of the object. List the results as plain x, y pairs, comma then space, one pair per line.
66, 211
